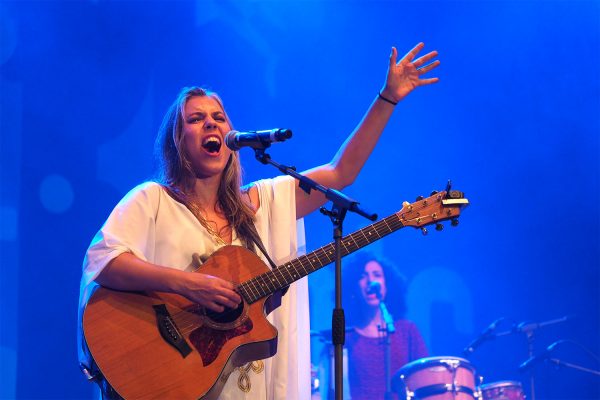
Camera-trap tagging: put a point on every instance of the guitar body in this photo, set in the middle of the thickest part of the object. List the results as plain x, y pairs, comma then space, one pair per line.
160, 345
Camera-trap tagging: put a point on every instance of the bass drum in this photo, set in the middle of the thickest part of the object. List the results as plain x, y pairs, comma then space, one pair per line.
502, 390
436, 378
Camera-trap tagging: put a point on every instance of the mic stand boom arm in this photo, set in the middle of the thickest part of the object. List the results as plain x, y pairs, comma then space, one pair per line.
560, 363
341, 204
337, 198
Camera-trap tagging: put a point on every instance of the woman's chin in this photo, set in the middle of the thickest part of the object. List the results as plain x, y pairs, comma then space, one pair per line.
373, 302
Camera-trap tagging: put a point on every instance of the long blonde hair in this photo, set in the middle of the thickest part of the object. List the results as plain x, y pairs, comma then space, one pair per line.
175, 170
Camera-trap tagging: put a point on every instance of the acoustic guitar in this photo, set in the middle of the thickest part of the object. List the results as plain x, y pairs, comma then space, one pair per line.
155, 345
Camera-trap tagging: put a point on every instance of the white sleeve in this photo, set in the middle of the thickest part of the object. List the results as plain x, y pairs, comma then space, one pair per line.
129, 228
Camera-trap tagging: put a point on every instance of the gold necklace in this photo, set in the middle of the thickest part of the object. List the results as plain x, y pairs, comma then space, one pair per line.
212, 232
196, 211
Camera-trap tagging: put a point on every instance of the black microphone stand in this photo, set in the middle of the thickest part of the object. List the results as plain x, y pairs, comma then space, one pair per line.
341, 205
487, 334
387, 331
528, 328
560, 363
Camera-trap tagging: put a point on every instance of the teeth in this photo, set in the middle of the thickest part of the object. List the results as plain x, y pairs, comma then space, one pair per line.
212, 144
211, 140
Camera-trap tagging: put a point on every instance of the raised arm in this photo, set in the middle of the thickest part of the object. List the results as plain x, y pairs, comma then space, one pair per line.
402, 77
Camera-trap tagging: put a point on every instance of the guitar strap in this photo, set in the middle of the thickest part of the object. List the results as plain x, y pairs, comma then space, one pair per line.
258, 242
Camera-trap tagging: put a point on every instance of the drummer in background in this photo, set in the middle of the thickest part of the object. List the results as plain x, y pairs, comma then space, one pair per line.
365, 345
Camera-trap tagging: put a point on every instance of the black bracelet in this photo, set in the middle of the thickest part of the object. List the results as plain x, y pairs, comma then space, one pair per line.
387, 100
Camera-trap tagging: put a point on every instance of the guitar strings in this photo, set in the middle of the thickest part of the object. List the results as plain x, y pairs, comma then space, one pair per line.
189, 320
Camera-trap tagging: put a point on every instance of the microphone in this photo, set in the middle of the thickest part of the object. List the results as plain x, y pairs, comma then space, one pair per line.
256, 139
529, 326
531, 361
485, 335
374, 288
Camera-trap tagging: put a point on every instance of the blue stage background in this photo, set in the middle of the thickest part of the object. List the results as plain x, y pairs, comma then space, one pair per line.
514, 122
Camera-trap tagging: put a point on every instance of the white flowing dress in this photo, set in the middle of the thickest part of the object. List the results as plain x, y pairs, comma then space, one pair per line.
153, 226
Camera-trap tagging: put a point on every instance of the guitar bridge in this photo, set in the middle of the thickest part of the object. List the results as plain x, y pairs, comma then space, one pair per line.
169, 331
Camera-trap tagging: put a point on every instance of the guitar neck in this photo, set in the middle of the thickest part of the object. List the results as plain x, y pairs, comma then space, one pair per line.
269, 282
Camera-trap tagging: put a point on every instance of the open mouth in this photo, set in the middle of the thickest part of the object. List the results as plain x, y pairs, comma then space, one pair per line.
212, 144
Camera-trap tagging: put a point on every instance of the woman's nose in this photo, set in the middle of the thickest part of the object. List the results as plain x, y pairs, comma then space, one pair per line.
210, 123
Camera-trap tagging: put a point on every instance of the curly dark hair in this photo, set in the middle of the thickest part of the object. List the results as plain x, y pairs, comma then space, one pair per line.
353, 301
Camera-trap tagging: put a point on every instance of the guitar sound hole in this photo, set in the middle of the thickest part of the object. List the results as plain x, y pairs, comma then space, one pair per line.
227, 316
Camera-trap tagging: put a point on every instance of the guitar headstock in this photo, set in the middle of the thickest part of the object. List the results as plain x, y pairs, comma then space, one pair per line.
440, 206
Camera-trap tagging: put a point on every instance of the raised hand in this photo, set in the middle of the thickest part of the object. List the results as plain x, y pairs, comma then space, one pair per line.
405, 75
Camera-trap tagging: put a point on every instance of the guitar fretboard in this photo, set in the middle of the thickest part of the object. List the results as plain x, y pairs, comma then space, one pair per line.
269, 282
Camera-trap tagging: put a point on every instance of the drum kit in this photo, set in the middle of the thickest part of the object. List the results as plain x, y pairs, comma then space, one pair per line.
455, 378
450, 378
442, 378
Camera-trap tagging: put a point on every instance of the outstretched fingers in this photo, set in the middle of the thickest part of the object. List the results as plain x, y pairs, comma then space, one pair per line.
427, 68
428, 81
425, 59
412, 54
422, 67
393, 57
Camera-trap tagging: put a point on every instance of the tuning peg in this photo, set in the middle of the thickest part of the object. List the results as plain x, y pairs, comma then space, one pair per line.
454, 222
433, 193
419, 198
439, 227
424, 231
407, 205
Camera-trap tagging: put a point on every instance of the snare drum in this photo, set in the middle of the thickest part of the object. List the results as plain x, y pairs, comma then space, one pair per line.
502, 390
436, 378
